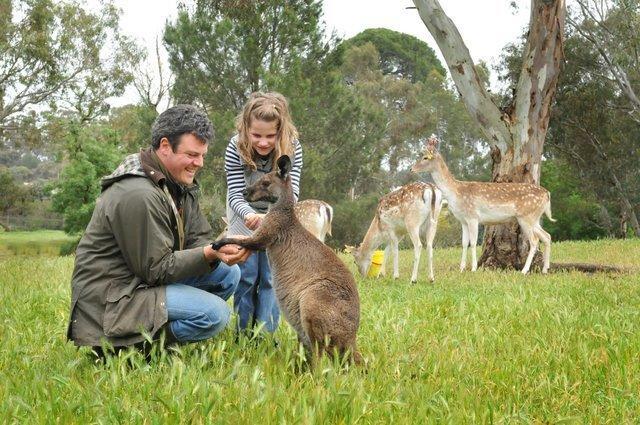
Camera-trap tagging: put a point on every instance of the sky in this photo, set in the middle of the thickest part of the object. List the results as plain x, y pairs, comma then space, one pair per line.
486, 26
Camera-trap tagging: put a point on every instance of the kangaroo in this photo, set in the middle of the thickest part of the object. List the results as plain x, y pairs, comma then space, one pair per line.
316, 292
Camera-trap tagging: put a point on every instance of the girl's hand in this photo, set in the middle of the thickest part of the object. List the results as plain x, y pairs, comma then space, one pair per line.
253, 221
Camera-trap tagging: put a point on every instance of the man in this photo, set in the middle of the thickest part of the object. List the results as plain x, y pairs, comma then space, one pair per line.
144, 264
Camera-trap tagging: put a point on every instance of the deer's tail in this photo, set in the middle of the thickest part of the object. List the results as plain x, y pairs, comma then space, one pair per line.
435, 199
328, 211
547, 210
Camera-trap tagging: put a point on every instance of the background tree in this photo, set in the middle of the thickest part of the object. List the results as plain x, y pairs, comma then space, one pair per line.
75, 193
596, 124
220, 51
400, 55
612, 29
517, 132
152, 86
11, 191
59, 63
52, 52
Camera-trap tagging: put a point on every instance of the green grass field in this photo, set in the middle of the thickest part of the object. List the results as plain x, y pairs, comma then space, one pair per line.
485, 347
42, 242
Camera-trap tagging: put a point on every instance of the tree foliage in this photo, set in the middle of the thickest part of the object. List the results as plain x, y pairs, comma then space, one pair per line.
95, 154
594, 126
220, 51
401, 55
58, 53
11, 192
575, 210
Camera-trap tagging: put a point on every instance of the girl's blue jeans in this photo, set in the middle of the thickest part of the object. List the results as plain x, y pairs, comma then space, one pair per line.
254, 299
197, 306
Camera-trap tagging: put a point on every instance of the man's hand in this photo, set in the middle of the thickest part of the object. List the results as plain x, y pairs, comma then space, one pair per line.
253, 221
228, 254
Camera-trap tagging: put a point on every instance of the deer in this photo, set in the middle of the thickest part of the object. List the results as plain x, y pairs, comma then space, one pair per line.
315, 216
316, 292
405, 209
473, 203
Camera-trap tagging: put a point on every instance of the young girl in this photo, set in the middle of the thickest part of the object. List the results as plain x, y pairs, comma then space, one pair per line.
265, 132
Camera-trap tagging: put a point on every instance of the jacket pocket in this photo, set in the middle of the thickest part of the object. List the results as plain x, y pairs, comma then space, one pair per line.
129, 309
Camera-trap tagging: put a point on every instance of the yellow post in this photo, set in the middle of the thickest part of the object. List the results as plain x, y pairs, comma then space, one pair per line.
377, 258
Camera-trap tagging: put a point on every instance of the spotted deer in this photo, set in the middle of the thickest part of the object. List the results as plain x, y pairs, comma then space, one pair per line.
316, 292
315, 216
490, 203
403, 210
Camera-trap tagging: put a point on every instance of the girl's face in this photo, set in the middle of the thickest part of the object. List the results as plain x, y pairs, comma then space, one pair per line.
262, 135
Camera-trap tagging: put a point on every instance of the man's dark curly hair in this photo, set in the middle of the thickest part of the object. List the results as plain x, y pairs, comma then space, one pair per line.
179, 120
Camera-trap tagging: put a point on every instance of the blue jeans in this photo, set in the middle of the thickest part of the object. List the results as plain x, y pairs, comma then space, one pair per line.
197, 305
255, 299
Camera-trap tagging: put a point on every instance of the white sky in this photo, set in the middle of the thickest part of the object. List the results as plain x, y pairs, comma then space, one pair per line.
486, 26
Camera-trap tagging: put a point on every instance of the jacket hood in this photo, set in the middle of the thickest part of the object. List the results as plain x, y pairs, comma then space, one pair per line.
130, 166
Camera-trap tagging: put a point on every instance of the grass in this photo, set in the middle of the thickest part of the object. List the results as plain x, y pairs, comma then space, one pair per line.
42, 242
484, 347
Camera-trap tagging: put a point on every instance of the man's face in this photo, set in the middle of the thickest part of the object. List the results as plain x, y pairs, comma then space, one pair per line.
186, 160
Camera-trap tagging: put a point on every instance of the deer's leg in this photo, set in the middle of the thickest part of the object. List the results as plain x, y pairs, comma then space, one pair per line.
527, 230
546, 240
431, 234
465, 243
473, 240
394, 248
387, 253
414, 234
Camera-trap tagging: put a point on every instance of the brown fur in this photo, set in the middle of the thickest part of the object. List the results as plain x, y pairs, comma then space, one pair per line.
316, 292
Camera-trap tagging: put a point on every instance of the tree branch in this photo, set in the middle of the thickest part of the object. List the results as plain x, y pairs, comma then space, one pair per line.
480, 106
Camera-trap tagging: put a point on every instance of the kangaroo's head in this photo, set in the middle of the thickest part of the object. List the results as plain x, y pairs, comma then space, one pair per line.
272, 186
428, 160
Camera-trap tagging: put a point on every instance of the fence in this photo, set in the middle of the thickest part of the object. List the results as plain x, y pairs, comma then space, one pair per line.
25, 222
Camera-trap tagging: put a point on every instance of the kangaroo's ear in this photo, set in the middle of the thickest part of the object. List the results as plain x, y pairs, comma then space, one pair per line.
284, 166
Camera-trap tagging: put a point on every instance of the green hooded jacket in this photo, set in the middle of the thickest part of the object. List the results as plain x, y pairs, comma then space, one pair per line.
130, 250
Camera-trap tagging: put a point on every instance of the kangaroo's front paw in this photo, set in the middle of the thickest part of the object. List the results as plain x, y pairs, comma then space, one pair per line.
218, 244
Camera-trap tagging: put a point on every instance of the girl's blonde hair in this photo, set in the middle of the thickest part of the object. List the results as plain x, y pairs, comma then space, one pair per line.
267, 107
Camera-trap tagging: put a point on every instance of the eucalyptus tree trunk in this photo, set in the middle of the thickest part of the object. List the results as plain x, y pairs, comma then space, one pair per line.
517, 133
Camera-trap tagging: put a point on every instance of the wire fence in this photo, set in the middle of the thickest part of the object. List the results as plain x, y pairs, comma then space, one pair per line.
24, 222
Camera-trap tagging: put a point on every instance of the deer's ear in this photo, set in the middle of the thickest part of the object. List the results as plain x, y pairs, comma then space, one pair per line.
284, 166
433, 142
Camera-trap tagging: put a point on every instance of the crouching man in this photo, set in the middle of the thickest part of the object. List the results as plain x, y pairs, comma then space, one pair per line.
144, 264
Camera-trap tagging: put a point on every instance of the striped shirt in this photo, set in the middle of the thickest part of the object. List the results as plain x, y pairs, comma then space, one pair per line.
234, 167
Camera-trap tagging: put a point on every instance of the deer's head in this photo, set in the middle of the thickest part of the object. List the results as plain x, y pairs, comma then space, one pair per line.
270, 187
427, 162
362, 260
